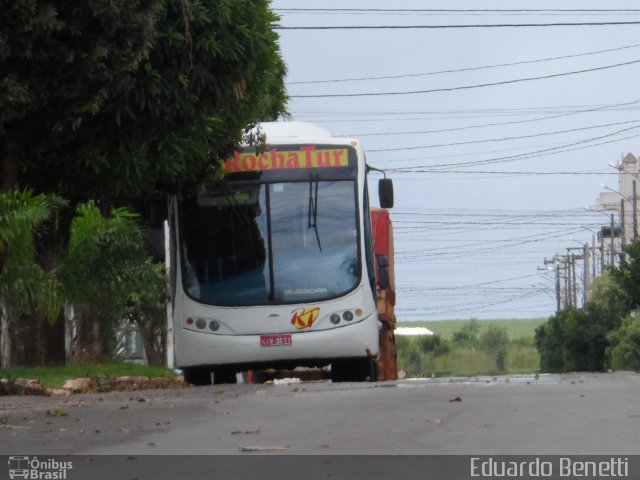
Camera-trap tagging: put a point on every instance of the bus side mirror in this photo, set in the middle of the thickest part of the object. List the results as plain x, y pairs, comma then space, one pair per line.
383, 272
385, 192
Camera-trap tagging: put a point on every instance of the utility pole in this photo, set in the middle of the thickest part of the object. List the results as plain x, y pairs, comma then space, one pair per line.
601, 251
558, 299
556, 264
623, 232
585, 278
593, 249
572, 257
634, 204
573, 280
569, 277
613, 242
567, 283
635, 212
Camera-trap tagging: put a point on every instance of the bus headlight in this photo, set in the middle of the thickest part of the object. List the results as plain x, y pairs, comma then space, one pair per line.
214, 325
335, 318
201, 323
348, 316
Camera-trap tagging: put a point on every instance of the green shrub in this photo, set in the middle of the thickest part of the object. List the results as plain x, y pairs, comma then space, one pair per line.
494, 338
523, 360
624, 349
525, 341
467, 335
572, 340
409, 355
434, 344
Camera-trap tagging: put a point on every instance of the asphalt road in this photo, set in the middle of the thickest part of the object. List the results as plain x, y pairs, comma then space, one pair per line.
550, 415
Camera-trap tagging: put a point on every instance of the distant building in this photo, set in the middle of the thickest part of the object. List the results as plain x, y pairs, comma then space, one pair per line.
623, 200
413, 331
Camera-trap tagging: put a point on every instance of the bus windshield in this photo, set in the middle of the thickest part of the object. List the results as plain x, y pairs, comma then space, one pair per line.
253, 243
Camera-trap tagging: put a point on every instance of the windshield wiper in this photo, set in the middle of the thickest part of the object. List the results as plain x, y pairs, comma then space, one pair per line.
313, 206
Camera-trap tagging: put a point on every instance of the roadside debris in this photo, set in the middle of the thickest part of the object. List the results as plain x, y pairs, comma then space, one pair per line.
286, 381
57, 413
247, 432
274, 448
23, 386
4, 424
436, 421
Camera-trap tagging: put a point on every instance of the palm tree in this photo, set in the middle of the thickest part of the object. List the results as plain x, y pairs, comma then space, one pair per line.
23, 283
97, 272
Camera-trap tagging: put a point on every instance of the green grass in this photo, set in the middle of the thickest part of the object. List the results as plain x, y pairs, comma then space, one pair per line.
52, 377
467, 363
518, 356
516, 328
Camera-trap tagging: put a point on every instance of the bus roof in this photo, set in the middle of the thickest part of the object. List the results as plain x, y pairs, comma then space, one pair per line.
279, 132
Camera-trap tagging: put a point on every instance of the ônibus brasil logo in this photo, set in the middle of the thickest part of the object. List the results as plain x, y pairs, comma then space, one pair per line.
33, 468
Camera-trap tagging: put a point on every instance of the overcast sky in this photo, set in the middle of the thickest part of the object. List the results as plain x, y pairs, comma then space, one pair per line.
506, 136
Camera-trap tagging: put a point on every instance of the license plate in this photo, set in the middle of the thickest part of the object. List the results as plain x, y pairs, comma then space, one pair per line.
275, 340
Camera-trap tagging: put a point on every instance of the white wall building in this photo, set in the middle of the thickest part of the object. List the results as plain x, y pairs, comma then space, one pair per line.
624, 199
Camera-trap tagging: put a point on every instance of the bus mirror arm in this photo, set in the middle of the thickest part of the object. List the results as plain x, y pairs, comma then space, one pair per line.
383, 272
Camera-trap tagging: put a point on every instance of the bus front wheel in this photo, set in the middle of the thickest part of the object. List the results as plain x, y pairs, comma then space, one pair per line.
197, 375
354, 370
224, 375
203, 375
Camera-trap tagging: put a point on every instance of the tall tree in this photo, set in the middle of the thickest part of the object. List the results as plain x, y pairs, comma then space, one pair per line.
213, 68
59, 61
124, 100
628, 275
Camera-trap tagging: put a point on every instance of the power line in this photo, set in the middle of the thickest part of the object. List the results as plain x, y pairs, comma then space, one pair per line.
479, 172
417, 224
474, 285
475, 305
463, 10
426, 237
561, 148
497, 244
482, 212
534, 154
502, 139
379, 117
441, 27
468, 69
497, 124
467, 87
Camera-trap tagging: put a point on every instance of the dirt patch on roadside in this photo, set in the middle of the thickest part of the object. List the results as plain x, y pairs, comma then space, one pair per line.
23, 386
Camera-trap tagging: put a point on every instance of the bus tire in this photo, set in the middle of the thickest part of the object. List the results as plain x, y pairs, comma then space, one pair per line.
197, 375
354, 370
223, 375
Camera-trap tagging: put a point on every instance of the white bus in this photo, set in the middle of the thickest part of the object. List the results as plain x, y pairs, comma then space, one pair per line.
273, 265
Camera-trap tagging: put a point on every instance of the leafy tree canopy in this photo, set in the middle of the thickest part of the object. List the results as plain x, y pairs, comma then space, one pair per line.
624, 350
59, 61
628, 275
128, 97
581, 339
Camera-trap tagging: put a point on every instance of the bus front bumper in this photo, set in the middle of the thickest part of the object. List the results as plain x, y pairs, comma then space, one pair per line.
194, 348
